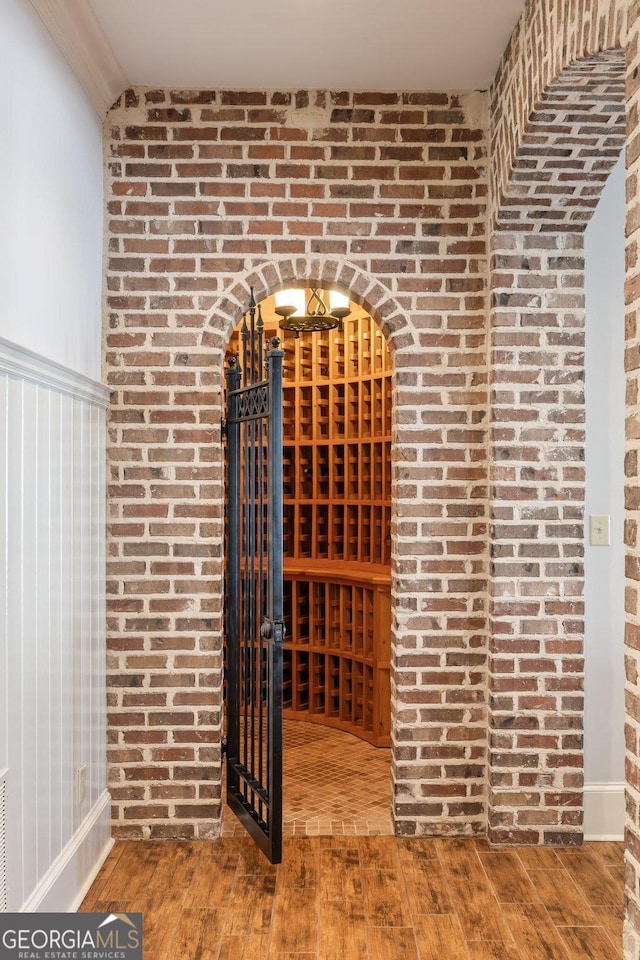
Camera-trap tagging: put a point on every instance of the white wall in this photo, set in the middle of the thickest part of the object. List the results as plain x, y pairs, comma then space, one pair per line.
604, 566
51, 186
52, 472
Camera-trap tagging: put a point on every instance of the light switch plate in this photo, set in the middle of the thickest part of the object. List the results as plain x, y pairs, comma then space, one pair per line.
599, 530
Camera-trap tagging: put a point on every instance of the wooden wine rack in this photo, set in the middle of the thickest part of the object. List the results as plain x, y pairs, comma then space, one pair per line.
337, 513
338, 647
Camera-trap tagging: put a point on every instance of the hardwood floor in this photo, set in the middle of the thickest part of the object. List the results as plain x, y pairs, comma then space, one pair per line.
367, 898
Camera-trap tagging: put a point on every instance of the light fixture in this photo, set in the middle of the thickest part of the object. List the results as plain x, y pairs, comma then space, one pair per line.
315, 315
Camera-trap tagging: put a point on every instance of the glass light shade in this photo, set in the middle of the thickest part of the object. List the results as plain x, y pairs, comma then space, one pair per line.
292, 298
337, 300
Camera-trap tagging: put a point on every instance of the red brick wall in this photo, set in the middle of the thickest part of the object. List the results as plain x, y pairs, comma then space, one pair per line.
557, 123
574, 136
551, 35
383, 194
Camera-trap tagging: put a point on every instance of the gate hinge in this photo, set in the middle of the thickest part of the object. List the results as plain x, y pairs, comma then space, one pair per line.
223, 748
223, 429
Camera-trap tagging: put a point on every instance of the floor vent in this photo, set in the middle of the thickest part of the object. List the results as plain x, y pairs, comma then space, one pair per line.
3, 841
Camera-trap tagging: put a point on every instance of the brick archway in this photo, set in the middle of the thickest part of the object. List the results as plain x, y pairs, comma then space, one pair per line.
420, 793
573, 138
379, 302
362, 287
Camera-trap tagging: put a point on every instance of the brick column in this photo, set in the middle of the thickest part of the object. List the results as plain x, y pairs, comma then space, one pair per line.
537, 495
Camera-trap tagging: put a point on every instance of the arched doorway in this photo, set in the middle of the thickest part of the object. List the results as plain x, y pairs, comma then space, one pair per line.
337, 419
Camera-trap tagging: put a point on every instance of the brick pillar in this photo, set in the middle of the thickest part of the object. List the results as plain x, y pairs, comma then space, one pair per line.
537, 495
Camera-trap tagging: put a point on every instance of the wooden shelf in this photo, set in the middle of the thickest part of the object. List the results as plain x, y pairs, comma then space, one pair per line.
338, 645
337, 517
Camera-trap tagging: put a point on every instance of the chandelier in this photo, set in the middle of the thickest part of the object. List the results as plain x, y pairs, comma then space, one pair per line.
310, 315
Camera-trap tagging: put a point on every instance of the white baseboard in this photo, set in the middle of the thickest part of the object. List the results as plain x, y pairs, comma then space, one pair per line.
604, 811
66, 882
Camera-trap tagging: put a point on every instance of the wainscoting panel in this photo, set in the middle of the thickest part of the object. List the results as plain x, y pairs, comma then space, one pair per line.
52, 622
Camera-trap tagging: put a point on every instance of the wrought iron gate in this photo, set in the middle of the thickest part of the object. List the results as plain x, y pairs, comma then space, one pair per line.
254, 614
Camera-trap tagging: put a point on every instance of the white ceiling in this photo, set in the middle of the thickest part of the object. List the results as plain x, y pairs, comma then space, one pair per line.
336, 44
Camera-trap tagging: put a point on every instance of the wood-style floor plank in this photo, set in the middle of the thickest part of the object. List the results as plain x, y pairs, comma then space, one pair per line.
508, 877
197, 931
538, 858
174, 868
611, 919
300, 865
212, 882
376, 853
295, 920
371, 898
587, 943
593, 878
480, 915
535, 936
427, 886
340, 877
478, 910
493, 950
462, 862
385, 899
565, 903
251, 860
250, 909
392, 943
102, 876
616, 871
440, 936
611, 852
127, 879
244, 948
292, 956
421, 848
116, 906
343, 930
160, 920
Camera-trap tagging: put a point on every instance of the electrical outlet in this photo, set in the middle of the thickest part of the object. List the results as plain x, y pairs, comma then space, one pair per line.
599, 527
81, 785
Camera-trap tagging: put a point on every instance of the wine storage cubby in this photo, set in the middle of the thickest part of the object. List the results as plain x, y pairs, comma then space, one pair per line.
337, 515
338, 646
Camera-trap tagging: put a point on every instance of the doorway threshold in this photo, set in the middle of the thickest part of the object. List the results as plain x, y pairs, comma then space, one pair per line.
335, 784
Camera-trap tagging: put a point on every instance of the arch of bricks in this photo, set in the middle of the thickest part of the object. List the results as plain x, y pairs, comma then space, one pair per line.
550, 36
402, 340
574, 137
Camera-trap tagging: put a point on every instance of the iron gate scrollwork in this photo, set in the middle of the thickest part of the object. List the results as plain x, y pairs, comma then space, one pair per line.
254, 590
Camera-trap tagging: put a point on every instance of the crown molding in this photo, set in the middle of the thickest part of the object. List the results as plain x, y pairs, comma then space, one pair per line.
77, 32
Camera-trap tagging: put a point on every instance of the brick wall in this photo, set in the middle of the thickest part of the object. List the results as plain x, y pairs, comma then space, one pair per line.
551, 35
557, 124
383, 195
574, 136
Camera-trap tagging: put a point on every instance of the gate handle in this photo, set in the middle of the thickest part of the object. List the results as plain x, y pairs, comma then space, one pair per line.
266, 629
